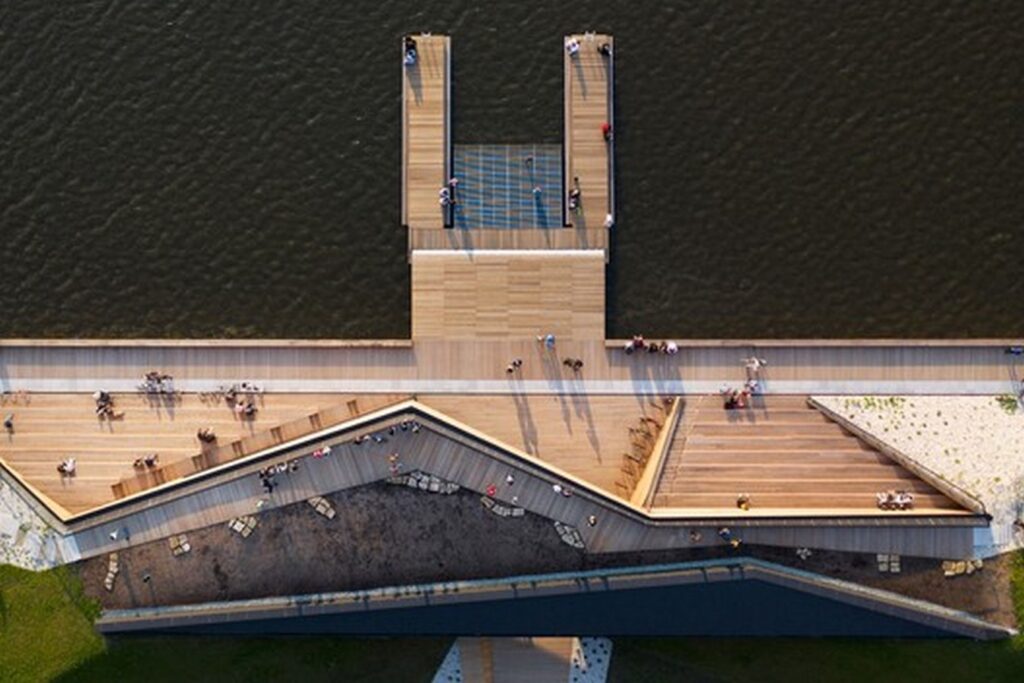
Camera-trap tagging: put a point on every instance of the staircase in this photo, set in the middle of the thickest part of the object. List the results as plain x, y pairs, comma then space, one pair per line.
783, 453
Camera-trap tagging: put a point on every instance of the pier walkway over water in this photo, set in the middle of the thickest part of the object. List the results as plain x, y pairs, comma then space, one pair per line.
426, 143
589, 77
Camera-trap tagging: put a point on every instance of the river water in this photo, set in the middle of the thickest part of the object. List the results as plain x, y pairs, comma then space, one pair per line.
186, 168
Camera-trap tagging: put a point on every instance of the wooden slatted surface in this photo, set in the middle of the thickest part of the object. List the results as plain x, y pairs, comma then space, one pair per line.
51, 427
518, 239
78, 368
515, 660
500, 295
783, 454
588, 105
425, 143
583, 435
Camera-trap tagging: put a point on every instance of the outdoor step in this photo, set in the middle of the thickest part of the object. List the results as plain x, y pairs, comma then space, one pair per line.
817, 470
773, 443
853, 455
810, 484
750, 430
819, 500
781, 416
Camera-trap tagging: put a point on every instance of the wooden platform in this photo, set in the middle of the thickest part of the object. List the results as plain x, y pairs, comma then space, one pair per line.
507, 294
52, 427
518, 240
784, 454
426, 144
589, 77
515, 660
583, 435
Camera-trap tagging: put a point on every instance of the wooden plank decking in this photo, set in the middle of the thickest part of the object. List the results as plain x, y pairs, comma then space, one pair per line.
78, 367
583, 435
783, 454
515, 660
519, 239
507, 294
425, 132
588, 105
51, 427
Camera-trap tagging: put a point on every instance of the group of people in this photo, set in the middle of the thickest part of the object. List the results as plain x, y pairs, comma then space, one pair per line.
105, 405
155, 382
572, 47
734, 399
268, 473
240, 399
895, 500
206, 435
247, 389
638, 343
146, 462
574, 364
245, 409
725, 533
447, 193
377, 437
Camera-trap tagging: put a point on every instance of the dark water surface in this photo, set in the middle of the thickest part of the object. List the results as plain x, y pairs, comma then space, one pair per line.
185, 168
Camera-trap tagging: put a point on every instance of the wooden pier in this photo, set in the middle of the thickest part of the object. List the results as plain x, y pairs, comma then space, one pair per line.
589, 78
426, 131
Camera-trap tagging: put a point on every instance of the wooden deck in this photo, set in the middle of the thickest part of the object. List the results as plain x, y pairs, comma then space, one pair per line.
425, 133
51, 427
518, 240
515, 660
281, 367
507, 294
784, 454
584, 435
588, 105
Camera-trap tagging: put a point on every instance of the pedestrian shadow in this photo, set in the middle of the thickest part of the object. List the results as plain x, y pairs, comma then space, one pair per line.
527, 427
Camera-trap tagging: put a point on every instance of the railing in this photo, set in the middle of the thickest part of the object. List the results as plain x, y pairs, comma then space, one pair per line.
219, 455
645, 487
812, 343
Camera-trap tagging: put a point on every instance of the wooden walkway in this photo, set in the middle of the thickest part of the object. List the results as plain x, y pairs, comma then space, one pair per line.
507, 295
426, 143
589, 78
515, 660
520, 239
783, 453
585, 436
52, 427
433, 365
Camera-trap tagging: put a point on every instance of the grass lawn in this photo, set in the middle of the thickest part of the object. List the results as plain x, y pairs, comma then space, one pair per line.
636, 660
46, 634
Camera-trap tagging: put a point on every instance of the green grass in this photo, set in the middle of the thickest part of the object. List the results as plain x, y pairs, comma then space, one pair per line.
817, 661
46, 634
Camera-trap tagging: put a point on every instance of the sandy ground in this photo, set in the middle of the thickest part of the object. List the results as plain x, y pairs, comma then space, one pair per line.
969, 440
388, 535
26, 540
